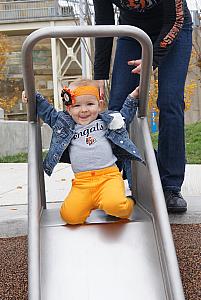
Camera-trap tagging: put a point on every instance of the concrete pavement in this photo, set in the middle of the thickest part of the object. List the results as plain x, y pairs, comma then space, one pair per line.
13, 195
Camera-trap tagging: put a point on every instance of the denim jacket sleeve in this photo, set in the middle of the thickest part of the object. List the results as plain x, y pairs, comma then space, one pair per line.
129, 109
45, 110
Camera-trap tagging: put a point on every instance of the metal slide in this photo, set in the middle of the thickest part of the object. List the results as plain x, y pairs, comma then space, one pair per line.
105, 258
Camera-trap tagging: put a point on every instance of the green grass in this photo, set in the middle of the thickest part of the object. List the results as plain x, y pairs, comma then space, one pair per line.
18, 158
154, 137
193, 143
193, 146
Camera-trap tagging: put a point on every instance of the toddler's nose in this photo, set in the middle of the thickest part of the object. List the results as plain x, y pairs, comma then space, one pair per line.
84, 108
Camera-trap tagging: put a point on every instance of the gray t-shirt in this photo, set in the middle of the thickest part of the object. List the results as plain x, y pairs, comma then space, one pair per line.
90, 149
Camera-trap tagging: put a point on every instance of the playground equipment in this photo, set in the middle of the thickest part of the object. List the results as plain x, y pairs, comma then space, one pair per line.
103, 259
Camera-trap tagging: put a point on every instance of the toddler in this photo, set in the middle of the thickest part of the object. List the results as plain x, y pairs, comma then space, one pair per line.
92, 140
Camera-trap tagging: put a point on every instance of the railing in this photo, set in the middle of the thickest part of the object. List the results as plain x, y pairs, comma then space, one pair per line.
196, 17
21, 10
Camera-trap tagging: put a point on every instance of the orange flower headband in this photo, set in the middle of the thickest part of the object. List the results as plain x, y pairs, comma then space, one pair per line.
68, 95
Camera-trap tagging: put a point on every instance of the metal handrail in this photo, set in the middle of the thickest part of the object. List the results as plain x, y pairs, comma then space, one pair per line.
87, 31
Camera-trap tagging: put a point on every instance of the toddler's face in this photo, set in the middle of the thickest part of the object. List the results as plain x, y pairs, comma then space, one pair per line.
85, 110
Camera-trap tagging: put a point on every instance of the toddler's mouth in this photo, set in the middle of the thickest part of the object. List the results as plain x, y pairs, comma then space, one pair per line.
84, 117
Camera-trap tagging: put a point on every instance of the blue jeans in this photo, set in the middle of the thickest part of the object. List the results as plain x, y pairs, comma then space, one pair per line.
171, 80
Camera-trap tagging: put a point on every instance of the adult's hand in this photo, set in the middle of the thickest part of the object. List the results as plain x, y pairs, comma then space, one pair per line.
101, 84
137, 63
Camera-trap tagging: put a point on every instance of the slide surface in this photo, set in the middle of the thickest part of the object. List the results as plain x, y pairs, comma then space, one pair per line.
117, 260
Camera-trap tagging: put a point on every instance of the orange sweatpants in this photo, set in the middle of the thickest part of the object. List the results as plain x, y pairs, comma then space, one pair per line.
98, 189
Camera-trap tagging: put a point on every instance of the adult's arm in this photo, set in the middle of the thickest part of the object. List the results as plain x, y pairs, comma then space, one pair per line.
173, 19
104, 15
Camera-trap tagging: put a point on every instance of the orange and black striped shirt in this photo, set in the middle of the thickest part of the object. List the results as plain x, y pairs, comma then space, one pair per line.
160, 19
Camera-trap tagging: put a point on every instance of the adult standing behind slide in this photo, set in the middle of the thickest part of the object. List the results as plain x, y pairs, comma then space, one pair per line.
168, 23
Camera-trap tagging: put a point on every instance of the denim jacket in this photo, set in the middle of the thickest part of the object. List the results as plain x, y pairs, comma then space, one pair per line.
63, 125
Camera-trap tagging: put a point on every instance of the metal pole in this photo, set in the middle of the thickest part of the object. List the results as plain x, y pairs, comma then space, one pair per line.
82, 40
57, 104
34, 208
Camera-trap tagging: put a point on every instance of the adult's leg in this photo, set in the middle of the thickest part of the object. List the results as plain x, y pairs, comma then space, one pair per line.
123, 81
171, 145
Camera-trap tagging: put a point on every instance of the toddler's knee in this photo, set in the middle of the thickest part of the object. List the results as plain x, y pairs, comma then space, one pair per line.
71, 218
121, 209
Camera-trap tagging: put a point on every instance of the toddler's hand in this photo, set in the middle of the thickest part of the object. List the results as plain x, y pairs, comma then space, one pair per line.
24, 98
135, 93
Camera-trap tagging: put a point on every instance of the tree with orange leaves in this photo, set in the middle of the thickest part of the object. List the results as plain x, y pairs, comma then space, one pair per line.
8, 100
4, 50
